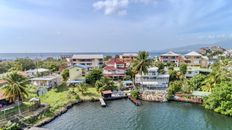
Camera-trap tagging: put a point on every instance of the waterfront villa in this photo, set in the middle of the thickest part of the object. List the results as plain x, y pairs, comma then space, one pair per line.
196, 59
171, 57
89, 60
47, 81
115, 68
152, 80
128, 58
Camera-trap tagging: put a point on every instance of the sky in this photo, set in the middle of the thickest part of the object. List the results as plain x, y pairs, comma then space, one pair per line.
111, 25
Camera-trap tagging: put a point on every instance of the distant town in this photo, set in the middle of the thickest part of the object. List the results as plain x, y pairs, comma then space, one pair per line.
34, 92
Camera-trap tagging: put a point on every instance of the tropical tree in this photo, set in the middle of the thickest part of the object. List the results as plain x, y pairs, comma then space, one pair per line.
221, 99
183, 68
105, 84
141, 63
93, 76
15, 89
26, 63
82, 87
65, 74
196, 81
130, 74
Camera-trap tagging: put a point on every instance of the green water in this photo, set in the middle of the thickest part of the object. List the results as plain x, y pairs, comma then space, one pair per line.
123, 115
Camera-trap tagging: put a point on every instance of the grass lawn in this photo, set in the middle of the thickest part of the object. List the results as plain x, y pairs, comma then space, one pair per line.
62, 95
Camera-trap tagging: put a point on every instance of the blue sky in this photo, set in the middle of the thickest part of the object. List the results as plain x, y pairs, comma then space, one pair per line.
111, 25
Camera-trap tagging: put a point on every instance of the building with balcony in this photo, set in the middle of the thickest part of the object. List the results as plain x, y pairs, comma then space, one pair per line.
195, 59
115, 68
128, 58
152, 80
89, 60
47, 81
171, 57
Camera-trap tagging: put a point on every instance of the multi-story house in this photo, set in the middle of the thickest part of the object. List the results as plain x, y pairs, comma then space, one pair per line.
128, 58
152, 80
195, 59
89, 60
115, 68
171, 57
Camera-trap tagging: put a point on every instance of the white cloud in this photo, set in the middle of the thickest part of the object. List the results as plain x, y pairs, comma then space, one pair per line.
112, 6
118, 7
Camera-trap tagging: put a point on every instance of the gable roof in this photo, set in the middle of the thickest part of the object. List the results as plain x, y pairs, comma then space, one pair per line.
170, 53
193, 53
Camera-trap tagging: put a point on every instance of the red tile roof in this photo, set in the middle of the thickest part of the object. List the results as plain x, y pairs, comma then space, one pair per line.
113, 68
115, 61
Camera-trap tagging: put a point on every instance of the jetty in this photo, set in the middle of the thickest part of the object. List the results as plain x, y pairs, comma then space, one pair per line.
135, 101
103, 104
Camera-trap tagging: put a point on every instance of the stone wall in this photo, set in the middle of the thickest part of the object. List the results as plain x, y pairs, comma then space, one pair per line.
154, 95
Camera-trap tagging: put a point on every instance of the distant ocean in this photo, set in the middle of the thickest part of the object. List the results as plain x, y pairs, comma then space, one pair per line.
13, 56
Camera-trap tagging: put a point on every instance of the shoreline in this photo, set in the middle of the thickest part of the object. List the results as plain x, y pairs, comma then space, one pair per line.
62, 111
65, 109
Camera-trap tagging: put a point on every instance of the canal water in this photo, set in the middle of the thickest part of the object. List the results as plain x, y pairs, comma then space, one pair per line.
123, 115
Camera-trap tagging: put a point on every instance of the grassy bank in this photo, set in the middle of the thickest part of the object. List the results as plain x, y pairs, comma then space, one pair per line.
57, 99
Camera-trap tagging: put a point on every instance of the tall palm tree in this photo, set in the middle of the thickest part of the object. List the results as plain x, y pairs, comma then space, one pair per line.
141, 63
15, 89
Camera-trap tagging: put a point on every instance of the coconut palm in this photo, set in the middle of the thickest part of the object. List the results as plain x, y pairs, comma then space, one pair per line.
15, 89
105, 84
141, 63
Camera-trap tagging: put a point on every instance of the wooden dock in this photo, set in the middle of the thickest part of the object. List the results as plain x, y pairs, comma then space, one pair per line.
135, 101
103, 104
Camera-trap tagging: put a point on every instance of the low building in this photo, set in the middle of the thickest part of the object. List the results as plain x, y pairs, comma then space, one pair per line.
106, 94
77, 71
128, 85
128, 58
196, 59
37, 72
89, 60
47, 81
171, 57
193, 71
152, 80
228, 53
115, 68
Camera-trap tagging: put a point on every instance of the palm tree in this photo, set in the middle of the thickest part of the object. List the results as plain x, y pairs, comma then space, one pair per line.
82, 87
141, 63
15, 89
105, 84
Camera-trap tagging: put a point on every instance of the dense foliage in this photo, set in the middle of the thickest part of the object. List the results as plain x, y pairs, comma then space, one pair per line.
105, 84
93, 76
221, 99
23, 64
65, 74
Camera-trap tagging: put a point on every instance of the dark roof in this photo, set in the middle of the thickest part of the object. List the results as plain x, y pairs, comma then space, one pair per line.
107, 92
